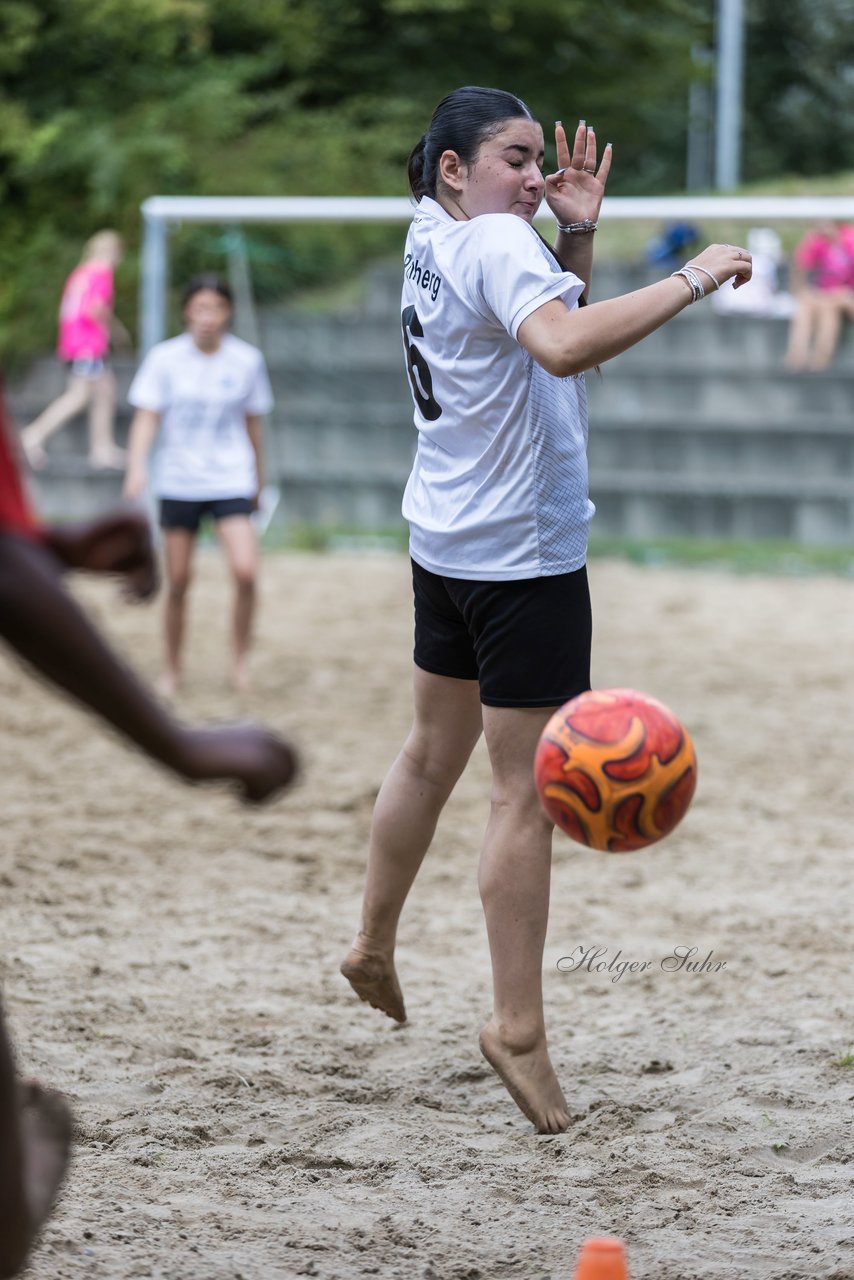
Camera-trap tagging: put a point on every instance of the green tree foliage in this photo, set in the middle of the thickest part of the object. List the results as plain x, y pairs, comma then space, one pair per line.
799, 88
105, 102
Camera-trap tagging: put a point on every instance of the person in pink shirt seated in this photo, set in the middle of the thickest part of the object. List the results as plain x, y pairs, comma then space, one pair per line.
823, 286
86, 325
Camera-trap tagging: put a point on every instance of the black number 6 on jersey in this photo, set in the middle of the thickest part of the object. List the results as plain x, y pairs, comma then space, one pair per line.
420, 378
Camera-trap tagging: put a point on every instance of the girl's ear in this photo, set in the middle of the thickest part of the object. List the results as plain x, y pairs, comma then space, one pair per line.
451, 170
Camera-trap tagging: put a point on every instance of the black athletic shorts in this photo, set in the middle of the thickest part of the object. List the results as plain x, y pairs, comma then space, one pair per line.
175, 513
527, 641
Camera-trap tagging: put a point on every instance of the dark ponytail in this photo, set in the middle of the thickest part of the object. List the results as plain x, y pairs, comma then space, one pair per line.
415, 169
462, 121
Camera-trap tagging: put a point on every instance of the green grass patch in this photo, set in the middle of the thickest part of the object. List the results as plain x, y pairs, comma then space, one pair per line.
735, 556
344, 538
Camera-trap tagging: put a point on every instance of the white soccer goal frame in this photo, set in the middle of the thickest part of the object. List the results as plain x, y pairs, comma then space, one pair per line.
161, 213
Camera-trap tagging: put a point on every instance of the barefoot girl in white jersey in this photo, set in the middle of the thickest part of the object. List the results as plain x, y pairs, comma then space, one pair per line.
207, 392
496, 347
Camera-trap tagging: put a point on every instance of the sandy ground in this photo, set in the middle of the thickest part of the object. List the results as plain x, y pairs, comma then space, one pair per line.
170, 961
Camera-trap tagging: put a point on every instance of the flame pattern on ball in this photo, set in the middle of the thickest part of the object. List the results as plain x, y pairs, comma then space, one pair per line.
615, 769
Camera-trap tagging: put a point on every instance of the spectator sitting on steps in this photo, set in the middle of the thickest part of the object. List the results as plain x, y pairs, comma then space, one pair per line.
823, 285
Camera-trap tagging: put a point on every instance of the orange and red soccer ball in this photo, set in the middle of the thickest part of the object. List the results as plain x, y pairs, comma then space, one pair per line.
615, 769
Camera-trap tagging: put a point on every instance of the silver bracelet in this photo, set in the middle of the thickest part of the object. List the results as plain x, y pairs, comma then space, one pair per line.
715, 281
694, 282
583, 228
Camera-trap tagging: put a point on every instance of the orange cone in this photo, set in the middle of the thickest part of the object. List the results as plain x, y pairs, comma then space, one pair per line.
603, 1259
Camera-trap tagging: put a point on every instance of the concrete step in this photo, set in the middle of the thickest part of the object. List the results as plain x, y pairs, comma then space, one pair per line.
332, 342
370, 354
629, 514
367, 503
698, 339
632, 391
341, 448
710, 334
396, 415
753, 456
691, 400
46, 378
74, 492
723, 483
685, 400
819, 427
636, 393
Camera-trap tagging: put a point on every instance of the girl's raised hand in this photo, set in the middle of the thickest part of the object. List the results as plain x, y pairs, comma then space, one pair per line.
575, 191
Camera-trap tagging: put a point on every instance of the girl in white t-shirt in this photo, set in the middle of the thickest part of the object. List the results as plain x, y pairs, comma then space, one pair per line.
206, 392
497, 336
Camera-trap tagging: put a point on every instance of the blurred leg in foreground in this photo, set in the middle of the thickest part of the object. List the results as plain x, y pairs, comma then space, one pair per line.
46, 627
35, 1133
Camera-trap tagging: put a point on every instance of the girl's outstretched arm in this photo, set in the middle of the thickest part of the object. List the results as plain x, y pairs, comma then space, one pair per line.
46, 626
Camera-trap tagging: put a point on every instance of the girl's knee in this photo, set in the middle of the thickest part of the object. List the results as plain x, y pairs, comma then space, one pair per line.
245, 578
434, 761
177, 587
520, 804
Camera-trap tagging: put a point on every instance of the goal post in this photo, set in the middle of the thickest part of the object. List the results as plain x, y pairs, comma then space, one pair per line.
161, 213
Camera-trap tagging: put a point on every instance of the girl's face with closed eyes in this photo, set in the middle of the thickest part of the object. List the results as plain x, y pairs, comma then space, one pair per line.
506, 175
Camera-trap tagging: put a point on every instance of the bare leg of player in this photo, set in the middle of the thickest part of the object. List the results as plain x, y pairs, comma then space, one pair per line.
828, 326
801, 328
103, 450
240, 545
34, 1144
178, 547
72, 401
515, 873
447, 725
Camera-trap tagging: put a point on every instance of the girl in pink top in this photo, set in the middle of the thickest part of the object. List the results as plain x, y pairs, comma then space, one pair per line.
87, 300
86, 323
823, 285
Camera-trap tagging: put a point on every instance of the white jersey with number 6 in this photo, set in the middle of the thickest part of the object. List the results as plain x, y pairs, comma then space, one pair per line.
498, 489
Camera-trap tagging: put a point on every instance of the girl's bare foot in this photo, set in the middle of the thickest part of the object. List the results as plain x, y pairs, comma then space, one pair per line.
33, 451
240, 675
371, 973
113, 459
168, 684
529, 1077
